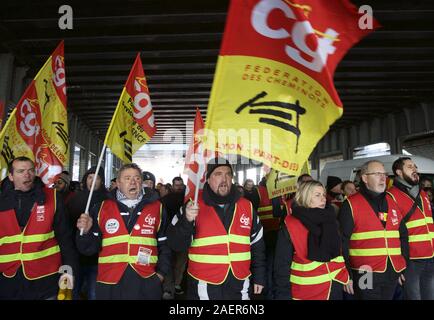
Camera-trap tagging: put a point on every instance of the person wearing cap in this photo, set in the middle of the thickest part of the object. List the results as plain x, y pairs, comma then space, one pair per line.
334, 192
88, 266
62, 186
148, 180
223, 236
374, 239
35, 237
416, 208
129, 233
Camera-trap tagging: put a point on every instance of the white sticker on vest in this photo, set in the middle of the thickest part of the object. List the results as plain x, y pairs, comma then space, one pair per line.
40, 213
137, 226
111, 226
144, 256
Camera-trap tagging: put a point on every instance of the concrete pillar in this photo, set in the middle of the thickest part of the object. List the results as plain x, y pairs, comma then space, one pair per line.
6, 79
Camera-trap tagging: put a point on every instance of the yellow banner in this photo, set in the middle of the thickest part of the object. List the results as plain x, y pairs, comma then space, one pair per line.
280, 183
267, 111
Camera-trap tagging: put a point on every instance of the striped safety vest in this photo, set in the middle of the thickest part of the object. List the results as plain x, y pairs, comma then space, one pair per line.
420, 225
213, 251
265, 211
120, 248
311, 280
35, 248
371, 245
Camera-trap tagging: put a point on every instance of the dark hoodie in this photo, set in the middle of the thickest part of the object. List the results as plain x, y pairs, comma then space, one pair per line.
19, 287
77, 205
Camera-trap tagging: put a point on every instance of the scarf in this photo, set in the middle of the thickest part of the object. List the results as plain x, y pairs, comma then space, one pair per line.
412, 190
130, 203
323, 240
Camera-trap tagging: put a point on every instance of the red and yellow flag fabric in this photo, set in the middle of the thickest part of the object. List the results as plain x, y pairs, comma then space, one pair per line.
273, 96
133, 123
38, 126
195, 162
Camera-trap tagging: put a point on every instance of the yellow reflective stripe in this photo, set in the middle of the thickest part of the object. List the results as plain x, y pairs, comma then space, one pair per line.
11, 239
266, 217
206, 258
115, 240
312, 265
417, 223
10, 257
40, 254
420, 237
117, 258
143, 241
210, 241
375, 252
239, 239
266, 208
38, 237
374, 235
27, 239
313, 280
429, 220
240, 256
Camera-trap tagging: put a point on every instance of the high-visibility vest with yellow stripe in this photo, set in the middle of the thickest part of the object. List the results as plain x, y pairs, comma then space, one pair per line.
213, 251
265, 211
420, 225
137, 249
311, 280
35, 248
371, 245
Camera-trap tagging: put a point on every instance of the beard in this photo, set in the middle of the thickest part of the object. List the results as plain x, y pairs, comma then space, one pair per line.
410, 180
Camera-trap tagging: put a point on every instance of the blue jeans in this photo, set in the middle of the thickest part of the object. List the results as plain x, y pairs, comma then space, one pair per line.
419, 280
87, 275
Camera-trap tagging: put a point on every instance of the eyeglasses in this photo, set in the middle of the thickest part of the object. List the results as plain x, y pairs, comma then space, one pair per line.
377, 174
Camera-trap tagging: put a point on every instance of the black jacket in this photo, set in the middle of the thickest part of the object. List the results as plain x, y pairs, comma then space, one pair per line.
180, 233
346, 221
173, 203
19, 287
90, 244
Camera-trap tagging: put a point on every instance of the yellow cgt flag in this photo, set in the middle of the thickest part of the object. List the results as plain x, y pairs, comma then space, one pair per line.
133, 123
273, 96
38, 126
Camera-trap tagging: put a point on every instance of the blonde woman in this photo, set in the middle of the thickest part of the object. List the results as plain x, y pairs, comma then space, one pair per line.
309, 264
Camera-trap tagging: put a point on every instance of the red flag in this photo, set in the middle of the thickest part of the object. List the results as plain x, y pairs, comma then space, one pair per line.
195, 162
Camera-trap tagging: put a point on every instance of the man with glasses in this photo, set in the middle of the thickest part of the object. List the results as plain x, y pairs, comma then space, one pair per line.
416, 209
371, 230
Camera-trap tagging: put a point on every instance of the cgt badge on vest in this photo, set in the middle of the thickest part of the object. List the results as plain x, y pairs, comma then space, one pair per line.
111, 226
245, 221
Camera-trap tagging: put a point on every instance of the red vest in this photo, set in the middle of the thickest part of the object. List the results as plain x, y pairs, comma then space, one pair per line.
35, 248
370, 244
265, 211
420, 225
120, 249
311, 280
214, 251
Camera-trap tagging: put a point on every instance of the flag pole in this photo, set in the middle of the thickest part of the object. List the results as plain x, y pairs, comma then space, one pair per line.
196, 191
86, 211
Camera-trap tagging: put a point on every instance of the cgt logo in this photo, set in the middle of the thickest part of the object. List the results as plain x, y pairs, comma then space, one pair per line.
244, 220
299, 34
150, 220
